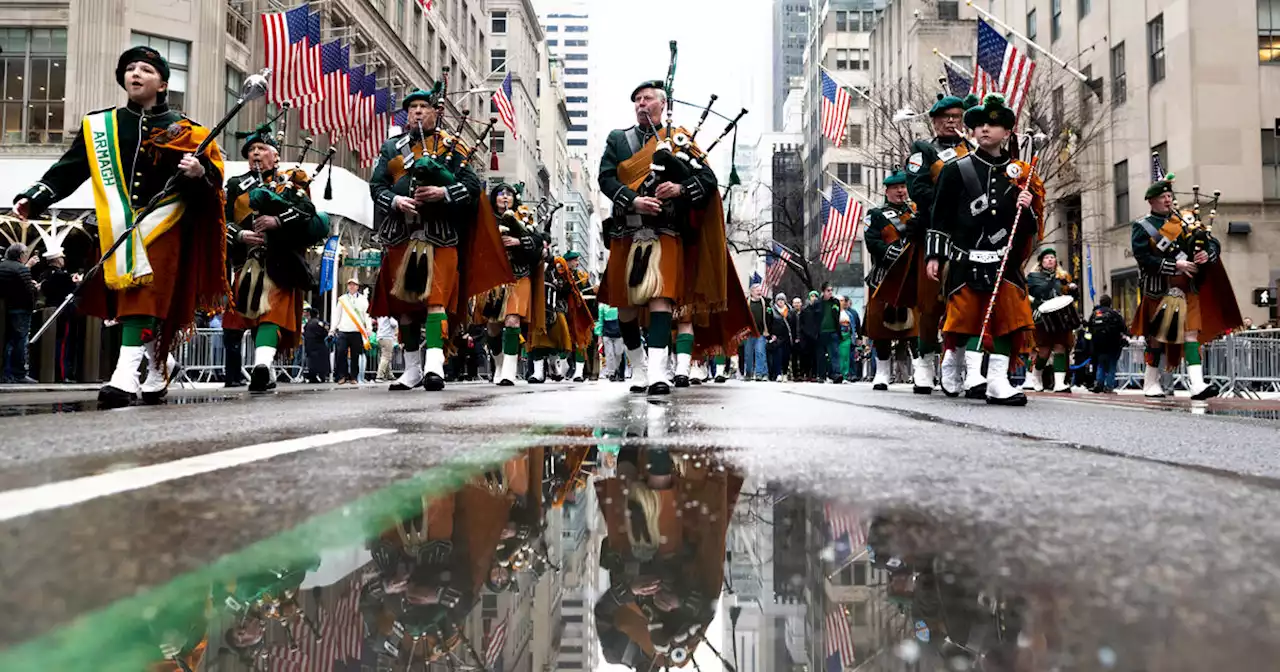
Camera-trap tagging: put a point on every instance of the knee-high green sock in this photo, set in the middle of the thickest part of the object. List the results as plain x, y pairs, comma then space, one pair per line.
926, 346
580, 355
1191, 353
268, 336
659, 330
137, 329
974, 344
719, 360
684, 344
436, 325
1002, 345
511, 340
1041, 362
1060, 362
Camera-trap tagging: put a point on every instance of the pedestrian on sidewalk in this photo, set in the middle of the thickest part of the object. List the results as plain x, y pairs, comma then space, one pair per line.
55, 286
828, 352
755, 365
810, 335
387, 340
1107, 332
19, 292
796, 372
351, 329
780, 338
315, 340
611, 332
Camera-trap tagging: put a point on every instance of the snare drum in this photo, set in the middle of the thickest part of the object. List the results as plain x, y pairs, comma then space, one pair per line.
1057, 315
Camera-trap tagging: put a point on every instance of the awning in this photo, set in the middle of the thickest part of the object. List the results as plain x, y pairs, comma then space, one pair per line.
351, 197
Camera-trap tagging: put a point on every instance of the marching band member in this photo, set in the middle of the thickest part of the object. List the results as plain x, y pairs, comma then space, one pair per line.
567, 320
588, 348
1187, 298
1050, 281
510, 307
174, 263
273, 222
924, 166
979, 197
441, 249
891, 313
668, 253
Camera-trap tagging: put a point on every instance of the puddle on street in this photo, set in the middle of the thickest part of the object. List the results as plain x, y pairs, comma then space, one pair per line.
13, 410
618, 557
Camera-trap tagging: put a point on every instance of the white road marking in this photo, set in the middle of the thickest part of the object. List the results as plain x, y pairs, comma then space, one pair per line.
26, 501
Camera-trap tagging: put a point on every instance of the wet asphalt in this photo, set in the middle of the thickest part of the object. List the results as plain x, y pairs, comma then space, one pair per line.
1145, 534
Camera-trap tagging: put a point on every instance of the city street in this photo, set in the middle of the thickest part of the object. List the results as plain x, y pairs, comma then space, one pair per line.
1113, 532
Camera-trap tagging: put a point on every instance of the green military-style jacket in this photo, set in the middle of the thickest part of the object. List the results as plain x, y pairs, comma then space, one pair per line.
300, 228
621, 145
1156, 266
443, 220
884, 254
921, 182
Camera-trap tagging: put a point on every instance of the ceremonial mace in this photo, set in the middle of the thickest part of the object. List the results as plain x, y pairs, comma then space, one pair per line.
1035, 139
254, 87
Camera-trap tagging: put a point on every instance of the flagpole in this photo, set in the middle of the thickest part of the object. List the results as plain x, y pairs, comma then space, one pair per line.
849, 188
959, 68
846, 85
987, 15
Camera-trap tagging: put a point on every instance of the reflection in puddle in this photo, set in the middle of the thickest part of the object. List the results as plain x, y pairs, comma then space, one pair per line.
622, 557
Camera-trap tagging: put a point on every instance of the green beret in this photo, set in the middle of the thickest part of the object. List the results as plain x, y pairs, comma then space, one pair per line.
648, 84
896, 177
431, 97
571, 255
1047, 250
262, 135
1159, 188
945, 103
145, 55
992, 111
971, 100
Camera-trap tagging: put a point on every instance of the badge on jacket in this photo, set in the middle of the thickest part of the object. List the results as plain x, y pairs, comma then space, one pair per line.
915, 163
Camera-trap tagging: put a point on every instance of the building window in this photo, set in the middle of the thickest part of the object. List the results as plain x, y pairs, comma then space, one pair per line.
1269, 31
1084, 7
33, 62
499, 24
1119, 80
575, 43
1120, 177
577, 113
575, 57
1270, 164
498, 60
855, 135
948, 10
553, 29
1162, 150
577, 142
400, 9
849, 22
553, 43
581, 128
842, 59
498, 142
575, 85
849, 173
231, 94
1055, 20
575, 71
1086, 98
1031, 27
176, 52
1155, 48
575, 29
575, 99
1059, 109
238, 26
860, 59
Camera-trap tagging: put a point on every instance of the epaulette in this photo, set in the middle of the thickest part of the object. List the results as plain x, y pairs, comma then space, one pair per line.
193, 121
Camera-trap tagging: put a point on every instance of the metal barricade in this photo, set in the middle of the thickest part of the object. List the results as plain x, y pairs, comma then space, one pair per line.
203, 357
1243, 364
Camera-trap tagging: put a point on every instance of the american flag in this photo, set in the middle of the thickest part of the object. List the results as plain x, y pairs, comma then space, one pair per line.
957, 82
835, 109
847, 533
506, 109
400, 119
839, 234
425, 4
839, 641
375, 132
1001, 68
333, 113
497, 639
775, 266
363, 119
341, 639
292, 41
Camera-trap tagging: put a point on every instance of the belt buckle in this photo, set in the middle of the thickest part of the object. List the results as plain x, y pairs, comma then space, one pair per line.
644, 235
984, 256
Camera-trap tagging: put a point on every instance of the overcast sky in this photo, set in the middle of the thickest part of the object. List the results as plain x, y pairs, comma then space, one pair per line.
725, 48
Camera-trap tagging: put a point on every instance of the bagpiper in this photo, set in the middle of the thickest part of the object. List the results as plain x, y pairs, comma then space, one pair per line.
1054, 331
509, 308
891, 312
924, 166
272, 223
174, 262
668, 255
989, 206
566, 319
1187, 299
442, 245
583, 351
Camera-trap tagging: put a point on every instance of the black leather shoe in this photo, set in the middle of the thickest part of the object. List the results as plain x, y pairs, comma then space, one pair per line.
920, 389
113, 397
659, 388
511, 383
1207, 393
978, 391
1018, 399
433, 382
880, 387
681, 381
695, 381
260, 380
535, 381
720, 379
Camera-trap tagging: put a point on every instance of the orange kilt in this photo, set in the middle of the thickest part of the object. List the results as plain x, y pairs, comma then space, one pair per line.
874, 323
1150, 305
966, 308
444, 283
908, 283
518, 299
153, 299
285, 312
556, 339
613, 287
